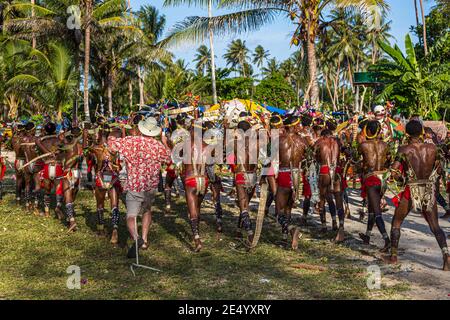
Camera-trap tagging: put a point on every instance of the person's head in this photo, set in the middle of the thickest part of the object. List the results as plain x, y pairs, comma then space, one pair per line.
276, 121
306, 120
50, 128
30, 127
372, 129
149, 127
414, 129
379, 112
326, 133
291, 122
244, 126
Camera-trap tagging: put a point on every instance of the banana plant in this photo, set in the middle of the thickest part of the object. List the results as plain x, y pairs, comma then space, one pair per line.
416, 85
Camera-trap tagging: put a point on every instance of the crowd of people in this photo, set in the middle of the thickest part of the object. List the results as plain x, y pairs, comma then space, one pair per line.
134, 158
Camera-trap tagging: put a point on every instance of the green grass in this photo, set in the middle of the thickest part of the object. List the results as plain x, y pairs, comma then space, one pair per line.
35, 253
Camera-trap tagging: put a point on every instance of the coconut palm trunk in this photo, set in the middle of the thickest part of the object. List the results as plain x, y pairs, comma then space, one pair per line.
312, 67
141, 88
213, 58
33, 39
425, 43
417, 18
87, 53
109, 94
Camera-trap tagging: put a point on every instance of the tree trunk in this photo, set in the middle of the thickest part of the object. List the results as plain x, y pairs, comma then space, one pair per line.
141, 89
312, 67
110, 97
425, 43
87, 52
33, 39
329, 93
213, 58
417, 19
130, 93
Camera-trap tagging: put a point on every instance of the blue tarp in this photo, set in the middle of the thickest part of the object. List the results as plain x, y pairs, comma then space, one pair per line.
273, 109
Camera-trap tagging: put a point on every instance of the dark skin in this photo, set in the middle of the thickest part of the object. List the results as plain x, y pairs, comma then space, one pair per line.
72, 151
16, 140
31, 172
50, 144
422, 157
245, 195
375, 153
106, 164
327, 151
292, 150
193, 198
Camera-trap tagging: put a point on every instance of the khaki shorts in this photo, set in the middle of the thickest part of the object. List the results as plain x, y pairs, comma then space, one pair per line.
139, 202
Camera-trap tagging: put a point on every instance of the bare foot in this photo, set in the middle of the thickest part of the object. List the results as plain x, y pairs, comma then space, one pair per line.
72, 226
389, 259
340, 235
197, 244
114, 237
446, 266
295, 233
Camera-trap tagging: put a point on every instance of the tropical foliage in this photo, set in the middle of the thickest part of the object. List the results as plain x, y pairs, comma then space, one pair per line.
98, 56
417, 85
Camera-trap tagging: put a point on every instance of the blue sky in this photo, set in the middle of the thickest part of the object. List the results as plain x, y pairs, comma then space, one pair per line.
275, 37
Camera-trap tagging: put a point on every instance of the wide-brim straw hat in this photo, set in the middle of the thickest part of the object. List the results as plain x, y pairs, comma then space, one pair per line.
149, 127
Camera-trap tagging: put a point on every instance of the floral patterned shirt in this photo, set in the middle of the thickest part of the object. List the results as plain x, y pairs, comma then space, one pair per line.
143, 157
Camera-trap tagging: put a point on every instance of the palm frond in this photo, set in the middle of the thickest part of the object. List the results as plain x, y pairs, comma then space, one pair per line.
196, 29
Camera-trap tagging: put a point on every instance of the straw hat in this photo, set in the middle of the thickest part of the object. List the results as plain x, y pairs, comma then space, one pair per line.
149, 127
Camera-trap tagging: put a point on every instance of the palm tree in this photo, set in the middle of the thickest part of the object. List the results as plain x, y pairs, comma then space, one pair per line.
209, 28
271, 68
252, 14
203, 60
260, 56
237, 55
424, 25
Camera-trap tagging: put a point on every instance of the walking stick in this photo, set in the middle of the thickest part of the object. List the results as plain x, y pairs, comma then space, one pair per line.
137, 264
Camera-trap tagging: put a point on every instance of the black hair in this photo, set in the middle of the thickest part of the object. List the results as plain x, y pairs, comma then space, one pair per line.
326, 133
306, 120
244, 125
414, 128
138, 118
30, 126
50, 128
372, 127
331, 125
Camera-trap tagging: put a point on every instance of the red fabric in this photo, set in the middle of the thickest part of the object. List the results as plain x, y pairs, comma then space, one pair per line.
170, 171
143, 157
3, 170
406, 194
324, 170
371, 181
45, 173
59, 189
115, 179
448, 186
306, 187
90, 165
192, 183
240, 178
284, 179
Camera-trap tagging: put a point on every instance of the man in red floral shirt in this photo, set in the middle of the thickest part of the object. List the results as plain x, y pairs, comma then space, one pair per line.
143, 155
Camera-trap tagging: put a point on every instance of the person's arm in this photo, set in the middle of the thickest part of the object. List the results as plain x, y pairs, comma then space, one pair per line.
164, 153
